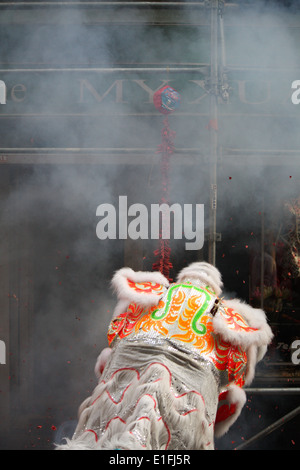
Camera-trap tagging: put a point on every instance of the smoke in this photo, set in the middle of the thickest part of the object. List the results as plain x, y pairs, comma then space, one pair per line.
49, 210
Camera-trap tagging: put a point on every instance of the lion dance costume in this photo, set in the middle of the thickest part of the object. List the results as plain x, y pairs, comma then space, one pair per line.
178, 357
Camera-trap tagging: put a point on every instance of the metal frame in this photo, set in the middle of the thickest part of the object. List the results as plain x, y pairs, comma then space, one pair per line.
111, 4
274, 390
214, 80
280, 422
270, 429
109, 69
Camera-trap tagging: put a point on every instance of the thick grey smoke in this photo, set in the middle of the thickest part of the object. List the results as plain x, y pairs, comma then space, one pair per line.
50, 209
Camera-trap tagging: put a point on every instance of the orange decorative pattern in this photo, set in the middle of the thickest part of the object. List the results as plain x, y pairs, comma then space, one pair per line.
147, 287
169, 317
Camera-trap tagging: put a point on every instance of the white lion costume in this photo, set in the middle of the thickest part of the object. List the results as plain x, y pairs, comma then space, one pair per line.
178, 357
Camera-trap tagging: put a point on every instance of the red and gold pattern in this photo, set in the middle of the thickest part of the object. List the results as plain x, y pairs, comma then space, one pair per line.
235, 321
147, 287
123, 324
237, 359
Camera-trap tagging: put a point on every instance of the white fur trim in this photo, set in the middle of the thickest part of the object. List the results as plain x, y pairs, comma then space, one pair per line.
254, 317
251, 364
235, 396
101, 361
127, 295
204, 272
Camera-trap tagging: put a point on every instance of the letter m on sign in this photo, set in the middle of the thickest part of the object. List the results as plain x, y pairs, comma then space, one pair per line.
2, 92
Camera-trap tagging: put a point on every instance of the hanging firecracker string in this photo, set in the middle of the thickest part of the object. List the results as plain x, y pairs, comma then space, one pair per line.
166, 149
166, 101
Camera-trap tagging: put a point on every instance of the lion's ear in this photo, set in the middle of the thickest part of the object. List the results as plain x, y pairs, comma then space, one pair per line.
141, 287
242, 325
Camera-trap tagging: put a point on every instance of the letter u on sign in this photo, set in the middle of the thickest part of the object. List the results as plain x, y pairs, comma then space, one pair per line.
2, 353
2, 92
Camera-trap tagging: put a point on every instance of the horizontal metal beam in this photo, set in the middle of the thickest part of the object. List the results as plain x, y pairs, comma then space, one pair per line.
110, 4
164, 69
92, 150
169, 69
250, 152
269, 429
273, 390
110, 156
103, 4
123, 150
134, 150
113, 156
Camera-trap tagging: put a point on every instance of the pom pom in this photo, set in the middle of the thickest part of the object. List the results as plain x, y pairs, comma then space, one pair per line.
166, 100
